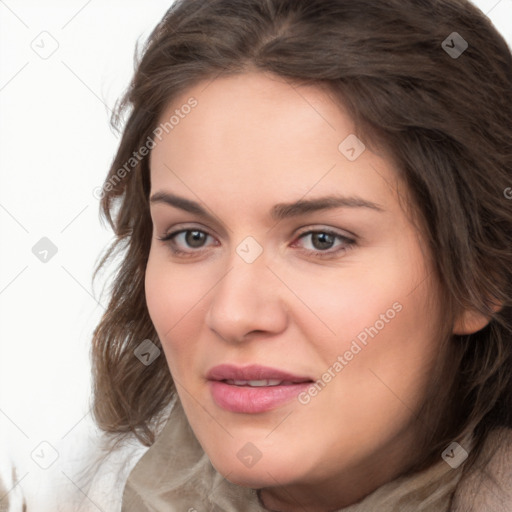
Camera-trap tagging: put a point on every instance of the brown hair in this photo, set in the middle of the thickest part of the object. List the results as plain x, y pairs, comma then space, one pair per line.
443, 117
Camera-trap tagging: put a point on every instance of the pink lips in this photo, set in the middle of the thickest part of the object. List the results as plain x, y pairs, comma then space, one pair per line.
231, 389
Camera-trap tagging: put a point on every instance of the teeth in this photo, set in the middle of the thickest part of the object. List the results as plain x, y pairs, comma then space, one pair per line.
255, 383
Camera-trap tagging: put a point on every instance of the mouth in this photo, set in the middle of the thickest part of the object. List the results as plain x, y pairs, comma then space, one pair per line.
254, 389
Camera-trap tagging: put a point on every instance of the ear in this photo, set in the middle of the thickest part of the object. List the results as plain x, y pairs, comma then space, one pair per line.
471, 321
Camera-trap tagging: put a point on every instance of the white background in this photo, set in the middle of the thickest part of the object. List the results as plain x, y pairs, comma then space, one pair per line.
56, 146
55, 149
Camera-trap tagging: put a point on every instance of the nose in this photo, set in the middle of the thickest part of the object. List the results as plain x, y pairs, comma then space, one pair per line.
248, 301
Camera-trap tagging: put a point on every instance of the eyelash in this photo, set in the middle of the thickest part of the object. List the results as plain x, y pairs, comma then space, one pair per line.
349, 243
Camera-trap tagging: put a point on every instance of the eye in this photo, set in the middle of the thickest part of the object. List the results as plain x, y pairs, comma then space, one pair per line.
194, 238
323, 240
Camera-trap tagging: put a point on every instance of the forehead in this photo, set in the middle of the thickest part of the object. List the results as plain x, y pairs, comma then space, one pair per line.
255, 134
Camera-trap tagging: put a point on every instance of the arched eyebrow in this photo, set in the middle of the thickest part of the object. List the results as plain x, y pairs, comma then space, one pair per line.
282, 211
279, 211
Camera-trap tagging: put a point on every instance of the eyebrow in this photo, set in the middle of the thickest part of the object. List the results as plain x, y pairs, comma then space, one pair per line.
279, 211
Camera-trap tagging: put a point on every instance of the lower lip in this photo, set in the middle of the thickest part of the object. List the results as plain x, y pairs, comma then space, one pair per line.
252, 400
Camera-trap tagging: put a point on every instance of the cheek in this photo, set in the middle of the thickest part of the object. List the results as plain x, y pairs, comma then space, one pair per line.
175, 299
385, 332
387, 363
337, 307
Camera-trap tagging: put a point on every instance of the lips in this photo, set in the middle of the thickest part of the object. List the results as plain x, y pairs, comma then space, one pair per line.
253, 389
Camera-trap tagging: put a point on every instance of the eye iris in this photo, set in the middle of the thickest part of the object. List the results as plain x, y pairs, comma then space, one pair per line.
323, 238
195, 238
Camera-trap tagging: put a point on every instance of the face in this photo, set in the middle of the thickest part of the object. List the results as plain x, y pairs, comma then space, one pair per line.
302, 339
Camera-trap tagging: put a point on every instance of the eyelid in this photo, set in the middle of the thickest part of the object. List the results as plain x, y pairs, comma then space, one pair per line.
334, 231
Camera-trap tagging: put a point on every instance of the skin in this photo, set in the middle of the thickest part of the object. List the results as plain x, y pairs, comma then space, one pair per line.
251, 142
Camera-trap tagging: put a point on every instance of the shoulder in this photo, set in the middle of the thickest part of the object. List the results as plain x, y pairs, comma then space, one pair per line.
488, 484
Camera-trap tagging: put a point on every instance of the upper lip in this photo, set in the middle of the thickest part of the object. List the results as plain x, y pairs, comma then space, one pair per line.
252, 372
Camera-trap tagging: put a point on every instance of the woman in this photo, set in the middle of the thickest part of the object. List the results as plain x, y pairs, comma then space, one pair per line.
313, 308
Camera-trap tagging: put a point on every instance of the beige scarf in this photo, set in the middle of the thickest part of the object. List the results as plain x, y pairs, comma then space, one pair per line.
176, 475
